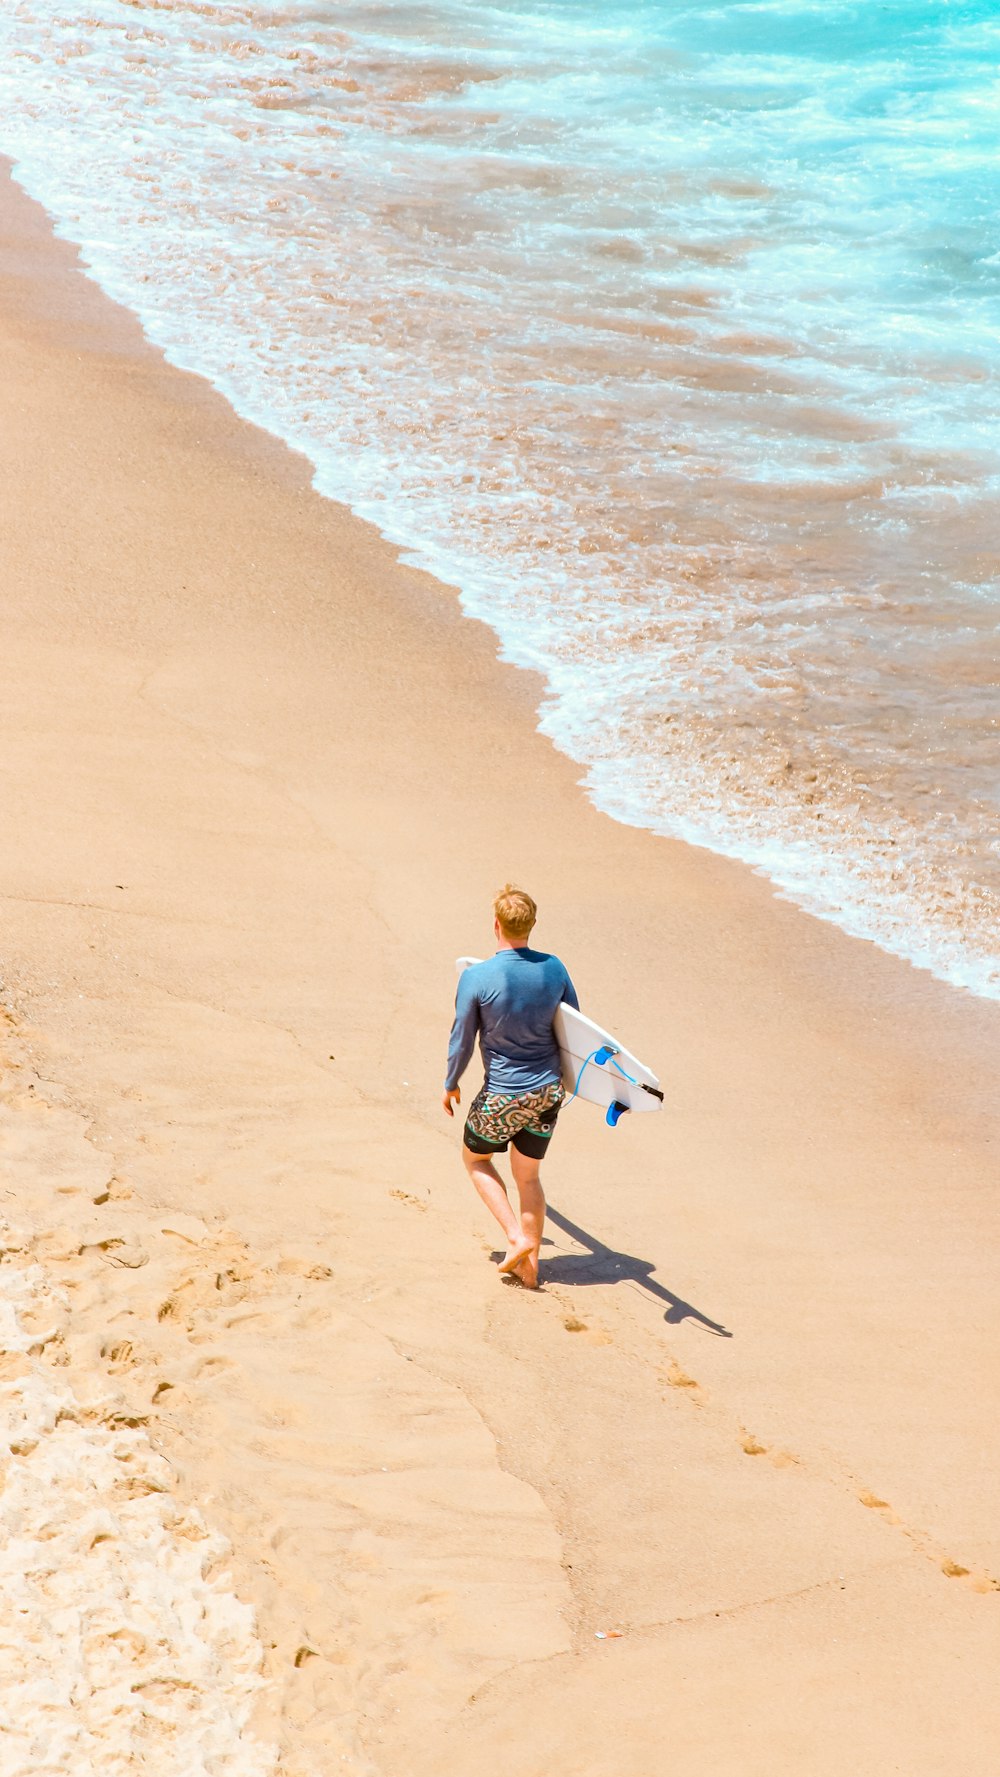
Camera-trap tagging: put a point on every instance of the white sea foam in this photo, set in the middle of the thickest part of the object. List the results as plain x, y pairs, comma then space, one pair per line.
123, 1645
669, 335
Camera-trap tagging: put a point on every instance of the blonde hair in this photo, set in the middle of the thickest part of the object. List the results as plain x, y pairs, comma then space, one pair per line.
515, 911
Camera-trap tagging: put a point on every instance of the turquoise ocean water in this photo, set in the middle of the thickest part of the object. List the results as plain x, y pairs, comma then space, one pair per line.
669, 332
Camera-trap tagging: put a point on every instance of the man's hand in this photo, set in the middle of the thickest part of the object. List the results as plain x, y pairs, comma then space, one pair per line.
455, 1094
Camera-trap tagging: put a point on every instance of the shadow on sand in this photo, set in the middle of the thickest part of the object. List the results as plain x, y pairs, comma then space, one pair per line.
601, 1264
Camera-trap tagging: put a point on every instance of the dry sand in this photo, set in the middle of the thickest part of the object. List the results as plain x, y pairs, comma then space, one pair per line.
258, 783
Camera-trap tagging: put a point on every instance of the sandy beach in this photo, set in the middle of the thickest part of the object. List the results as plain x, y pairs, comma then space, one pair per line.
259, 783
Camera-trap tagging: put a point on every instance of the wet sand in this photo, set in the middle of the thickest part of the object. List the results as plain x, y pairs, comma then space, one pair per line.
259, 782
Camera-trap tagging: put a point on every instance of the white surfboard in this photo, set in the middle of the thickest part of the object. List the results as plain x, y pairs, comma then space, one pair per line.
595, 1066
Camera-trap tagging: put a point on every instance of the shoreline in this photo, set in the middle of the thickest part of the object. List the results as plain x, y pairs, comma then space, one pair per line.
864, 903
249, 759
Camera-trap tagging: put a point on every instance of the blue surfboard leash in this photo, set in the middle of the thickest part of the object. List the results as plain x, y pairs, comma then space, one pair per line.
601, 1058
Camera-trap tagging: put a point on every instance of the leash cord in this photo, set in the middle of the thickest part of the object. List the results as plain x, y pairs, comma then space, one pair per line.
602, 1057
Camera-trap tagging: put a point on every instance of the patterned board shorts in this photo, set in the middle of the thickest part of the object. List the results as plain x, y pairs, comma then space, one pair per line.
525, 1118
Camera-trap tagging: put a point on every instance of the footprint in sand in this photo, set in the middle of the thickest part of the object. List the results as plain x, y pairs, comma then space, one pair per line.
191, 1230
405, 1197
677, 1378
113, 1190
875, 1504
982, 1582
303, 1262
594, 1334
752, 1446
208, 1367
127, 1254
120, 1356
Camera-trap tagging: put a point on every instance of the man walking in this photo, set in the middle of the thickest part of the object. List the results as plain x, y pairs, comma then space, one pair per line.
509, 1002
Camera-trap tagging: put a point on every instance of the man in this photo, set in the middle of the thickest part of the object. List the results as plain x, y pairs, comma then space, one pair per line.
510, 1002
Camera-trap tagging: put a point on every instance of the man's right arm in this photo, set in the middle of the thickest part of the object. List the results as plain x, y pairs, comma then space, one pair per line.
464, 1031
569, 992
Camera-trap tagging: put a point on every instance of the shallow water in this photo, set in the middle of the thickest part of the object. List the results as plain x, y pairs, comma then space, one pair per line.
669, 332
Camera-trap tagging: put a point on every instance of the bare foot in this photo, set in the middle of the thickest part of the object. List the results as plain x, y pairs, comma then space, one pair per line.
514, 1256
527, 1271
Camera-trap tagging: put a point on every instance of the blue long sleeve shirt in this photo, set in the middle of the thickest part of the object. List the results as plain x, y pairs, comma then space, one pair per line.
509, 1002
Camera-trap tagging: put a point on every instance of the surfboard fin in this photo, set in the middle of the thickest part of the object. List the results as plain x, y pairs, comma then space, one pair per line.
615, 1111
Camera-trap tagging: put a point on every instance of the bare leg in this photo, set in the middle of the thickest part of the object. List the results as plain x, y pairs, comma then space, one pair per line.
532, 1202
493, 1192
